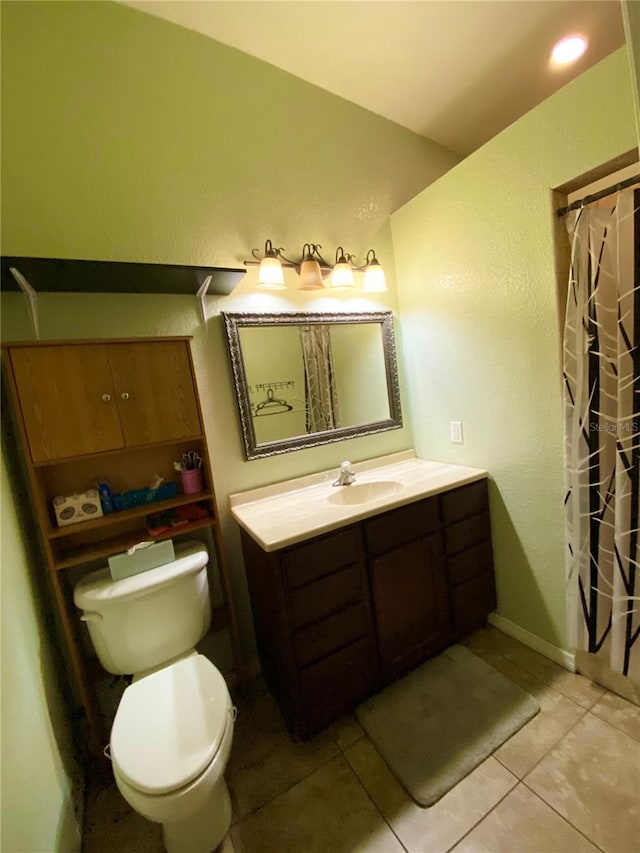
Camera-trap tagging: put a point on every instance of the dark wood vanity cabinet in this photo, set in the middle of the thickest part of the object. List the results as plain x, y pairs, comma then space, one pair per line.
314, 626
466, 538
339, 616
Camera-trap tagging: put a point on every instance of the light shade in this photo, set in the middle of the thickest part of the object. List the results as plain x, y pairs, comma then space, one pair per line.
374, 278
310, 275
342, 274
270, 276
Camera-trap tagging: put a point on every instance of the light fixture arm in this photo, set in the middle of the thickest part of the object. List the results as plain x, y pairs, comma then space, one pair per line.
310, 251
370, 260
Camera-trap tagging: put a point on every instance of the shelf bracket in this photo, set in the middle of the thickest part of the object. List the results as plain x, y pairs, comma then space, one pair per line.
201, 295
32, 299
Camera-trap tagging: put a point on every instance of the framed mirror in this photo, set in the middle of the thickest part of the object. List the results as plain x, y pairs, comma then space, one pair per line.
305, 379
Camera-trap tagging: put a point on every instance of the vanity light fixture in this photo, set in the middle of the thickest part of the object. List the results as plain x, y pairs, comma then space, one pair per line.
313, 269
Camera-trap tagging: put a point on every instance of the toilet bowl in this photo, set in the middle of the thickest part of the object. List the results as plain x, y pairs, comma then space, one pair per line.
170, 743
172, 732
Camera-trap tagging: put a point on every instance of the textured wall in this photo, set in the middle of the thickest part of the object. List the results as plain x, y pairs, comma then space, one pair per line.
37, 766
125, 137
475, 266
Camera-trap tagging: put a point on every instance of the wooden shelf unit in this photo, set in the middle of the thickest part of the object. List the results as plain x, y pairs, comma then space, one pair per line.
147, 392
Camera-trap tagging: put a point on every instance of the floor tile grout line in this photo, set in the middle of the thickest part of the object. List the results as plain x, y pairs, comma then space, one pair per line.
375, 805
524, 778
548, 660
546, 753
611, 723
563, 817
542, 680
284, 790
486, 814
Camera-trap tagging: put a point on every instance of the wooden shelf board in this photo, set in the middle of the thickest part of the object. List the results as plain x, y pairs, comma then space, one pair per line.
72, 275
102, 454
112, 518
108, 547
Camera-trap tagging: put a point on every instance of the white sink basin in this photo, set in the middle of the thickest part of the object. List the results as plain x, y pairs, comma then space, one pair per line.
289, 512
363, 493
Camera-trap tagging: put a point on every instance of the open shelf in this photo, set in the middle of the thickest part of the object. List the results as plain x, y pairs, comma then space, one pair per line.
124, 515
108, 547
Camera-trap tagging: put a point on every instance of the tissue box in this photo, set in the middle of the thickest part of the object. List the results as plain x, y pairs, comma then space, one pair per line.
79, 507
141, 559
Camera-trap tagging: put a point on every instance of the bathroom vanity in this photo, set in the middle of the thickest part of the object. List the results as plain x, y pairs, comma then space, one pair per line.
351, 587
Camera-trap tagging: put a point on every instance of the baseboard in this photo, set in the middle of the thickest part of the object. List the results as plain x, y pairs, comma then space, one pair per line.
560, 656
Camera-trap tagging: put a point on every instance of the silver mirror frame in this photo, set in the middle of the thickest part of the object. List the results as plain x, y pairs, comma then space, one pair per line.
235, 321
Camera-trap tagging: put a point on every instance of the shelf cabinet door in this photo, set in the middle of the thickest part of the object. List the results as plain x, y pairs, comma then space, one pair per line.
154, 391
410, 604
67, 400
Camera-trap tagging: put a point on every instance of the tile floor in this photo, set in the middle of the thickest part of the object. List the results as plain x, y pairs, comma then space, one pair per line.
568, 782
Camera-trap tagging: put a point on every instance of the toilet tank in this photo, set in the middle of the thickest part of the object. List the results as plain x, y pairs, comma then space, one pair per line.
143, 621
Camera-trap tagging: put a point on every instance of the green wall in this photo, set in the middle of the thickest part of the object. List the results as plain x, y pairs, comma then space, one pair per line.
631, 19
38, 766
480, 326
128, 138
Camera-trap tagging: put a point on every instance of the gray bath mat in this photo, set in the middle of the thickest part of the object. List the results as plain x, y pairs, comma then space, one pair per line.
435, 725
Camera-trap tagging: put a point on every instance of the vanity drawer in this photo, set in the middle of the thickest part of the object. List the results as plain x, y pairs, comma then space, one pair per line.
306, 563
337, 683
399, 526
469, 563
472, 601
334, 632
463, 502
465, 534
317, 600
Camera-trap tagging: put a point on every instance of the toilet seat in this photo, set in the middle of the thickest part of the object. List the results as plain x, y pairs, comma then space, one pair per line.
169, 726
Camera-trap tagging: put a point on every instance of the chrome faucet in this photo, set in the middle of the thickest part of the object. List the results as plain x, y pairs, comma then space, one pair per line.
347, 475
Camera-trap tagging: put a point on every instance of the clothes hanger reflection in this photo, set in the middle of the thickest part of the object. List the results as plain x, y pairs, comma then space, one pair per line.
272, 405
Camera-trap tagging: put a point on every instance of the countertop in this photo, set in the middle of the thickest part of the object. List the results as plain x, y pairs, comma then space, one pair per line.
285, 513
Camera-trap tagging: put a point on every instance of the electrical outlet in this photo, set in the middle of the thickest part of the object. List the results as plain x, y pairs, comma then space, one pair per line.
455, 431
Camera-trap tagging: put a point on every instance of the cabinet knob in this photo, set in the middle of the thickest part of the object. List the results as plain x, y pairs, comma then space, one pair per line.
124, 395
106, 397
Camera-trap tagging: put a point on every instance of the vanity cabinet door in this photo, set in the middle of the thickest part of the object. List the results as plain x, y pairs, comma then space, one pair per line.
67, 400
410, 604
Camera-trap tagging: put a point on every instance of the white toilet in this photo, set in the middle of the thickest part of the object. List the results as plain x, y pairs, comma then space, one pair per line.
172, 732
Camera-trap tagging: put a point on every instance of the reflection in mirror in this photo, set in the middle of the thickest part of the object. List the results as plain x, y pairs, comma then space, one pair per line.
308, 379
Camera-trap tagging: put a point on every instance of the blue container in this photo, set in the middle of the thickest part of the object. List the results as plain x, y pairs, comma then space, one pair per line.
141, 497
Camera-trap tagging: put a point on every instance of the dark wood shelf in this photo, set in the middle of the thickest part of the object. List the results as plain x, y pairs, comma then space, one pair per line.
66, 275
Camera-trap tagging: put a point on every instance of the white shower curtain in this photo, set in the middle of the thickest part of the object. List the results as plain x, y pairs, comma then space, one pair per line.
602, 430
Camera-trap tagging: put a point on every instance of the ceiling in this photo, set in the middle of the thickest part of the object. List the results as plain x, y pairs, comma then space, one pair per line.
455, 71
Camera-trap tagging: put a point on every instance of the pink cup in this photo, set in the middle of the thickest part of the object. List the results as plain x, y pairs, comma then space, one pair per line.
191, 481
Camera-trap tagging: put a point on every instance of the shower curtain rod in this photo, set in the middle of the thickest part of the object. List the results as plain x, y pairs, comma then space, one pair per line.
588, 199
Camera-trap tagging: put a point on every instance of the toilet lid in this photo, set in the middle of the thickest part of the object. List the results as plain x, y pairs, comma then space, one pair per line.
169, 725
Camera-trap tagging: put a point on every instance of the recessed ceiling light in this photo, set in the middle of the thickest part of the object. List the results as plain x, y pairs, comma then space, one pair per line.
568, 50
